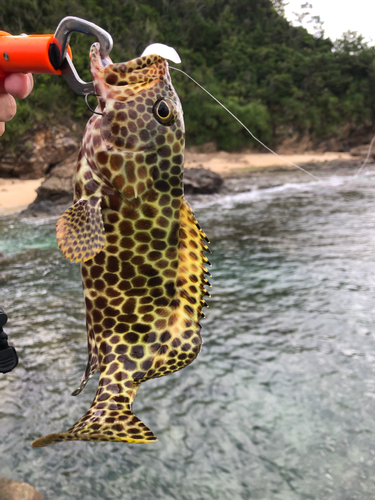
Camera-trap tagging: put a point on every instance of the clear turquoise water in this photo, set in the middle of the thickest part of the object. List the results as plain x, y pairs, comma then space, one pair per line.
280, 404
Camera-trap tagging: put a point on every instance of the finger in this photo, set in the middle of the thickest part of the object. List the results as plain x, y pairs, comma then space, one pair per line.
18, 84
8, 107
30, 82
2, 128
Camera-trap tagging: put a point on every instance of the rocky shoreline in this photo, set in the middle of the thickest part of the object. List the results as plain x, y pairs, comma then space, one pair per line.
55, 194
52, 153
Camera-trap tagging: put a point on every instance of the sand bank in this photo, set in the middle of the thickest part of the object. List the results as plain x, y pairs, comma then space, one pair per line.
16, 195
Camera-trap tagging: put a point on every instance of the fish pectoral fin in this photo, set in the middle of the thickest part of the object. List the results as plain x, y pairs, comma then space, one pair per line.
80, 230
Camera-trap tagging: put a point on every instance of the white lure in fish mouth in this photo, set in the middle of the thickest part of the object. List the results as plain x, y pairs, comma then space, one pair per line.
162, 50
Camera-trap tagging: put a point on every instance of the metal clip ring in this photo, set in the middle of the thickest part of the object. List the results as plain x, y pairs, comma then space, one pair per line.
61, 38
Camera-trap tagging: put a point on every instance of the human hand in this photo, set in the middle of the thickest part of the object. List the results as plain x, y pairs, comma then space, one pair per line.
15, 85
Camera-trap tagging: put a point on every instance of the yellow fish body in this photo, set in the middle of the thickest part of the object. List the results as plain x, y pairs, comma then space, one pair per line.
140, 245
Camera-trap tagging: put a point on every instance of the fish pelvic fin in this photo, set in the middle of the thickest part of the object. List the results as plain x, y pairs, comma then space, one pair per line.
110, 418
80, 230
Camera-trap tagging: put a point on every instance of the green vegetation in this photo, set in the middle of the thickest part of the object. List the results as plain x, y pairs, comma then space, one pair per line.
278, 79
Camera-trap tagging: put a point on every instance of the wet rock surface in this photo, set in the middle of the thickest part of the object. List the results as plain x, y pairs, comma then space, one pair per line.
199, 180
38, 152
55, 194
15, 490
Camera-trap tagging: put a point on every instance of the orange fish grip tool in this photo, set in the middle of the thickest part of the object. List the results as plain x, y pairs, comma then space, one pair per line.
51, 54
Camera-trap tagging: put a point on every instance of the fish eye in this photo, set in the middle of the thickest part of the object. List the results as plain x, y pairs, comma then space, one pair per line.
164, 111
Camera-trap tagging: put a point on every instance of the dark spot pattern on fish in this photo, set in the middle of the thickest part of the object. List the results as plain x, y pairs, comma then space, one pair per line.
140, 249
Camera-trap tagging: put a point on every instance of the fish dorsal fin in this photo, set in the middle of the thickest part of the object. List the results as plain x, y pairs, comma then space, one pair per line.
80, 230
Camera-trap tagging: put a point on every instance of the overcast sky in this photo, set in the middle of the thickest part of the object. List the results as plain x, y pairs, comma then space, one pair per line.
339, 16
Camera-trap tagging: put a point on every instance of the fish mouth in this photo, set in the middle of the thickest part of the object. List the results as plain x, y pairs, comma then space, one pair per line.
138, 74
122, 81
151, 65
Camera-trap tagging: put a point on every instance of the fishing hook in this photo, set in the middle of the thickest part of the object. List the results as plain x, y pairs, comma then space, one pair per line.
88, 105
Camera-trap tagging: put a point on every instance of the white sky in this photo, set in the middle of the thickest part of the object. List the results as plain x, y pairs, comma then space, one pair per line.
339, 16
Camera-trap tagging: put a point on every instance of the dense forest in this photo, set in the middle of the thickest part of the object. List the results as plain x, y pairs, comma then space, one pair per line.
278, 79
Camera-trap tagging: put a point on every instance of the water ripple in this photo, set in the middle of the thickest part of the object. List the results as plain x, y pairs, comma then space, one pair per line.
279, 403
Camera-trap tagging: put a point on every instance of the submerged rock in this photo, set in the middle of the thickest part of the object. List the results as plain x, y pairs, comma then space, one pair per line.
15, 490
199, 180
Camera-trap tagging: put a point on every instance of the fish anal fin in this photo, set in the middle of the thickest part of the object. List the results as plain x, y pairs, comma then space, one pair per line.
93, 360
110, 418
80, 230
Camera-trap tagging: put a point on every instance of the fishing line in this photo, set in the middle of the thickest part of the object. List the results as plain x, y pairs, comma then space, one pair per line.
367, 158
244, 126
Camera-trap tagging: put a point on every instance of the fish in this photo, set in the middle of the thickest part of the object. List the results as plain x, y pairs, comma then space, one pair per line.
141, 249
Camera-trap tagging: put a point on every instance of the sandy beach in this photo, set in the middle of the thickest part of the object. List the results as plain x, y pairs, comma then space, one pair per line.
16, 195
229, 163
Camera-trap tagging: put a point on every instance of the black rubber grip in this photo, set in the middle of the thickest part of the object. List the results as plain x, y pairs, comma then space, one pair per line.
8, 359
3, 318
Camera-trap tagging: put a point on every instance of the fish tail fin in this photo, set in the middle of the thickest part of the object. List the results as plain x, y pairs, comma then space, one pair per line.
110, 418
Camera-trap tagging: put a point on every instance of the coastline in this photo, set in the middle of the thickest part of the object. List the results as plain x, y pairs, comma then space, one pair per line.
16, 194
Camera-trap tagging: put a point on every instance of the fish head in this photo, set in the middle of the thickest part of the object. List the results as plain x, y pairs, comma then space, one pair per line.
142, 119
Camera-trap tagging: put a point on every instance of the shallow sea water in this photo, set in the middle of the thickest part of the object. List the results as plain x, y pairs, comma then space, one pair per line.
280, 403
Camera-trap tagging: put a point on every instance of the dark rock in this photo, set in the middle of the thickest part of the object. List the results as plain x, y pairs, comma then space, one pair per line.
364, 150
40, 150
55, 194
15, 490
207, 148
199, 180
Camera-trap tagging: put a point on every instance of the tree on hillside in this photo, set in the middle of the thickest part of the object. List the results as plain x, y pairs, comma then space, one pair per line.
277, 78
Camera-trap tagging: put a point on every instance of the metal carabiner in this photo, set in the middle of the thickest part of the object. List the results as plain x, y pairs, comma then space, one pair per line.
51, 54
60, 58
